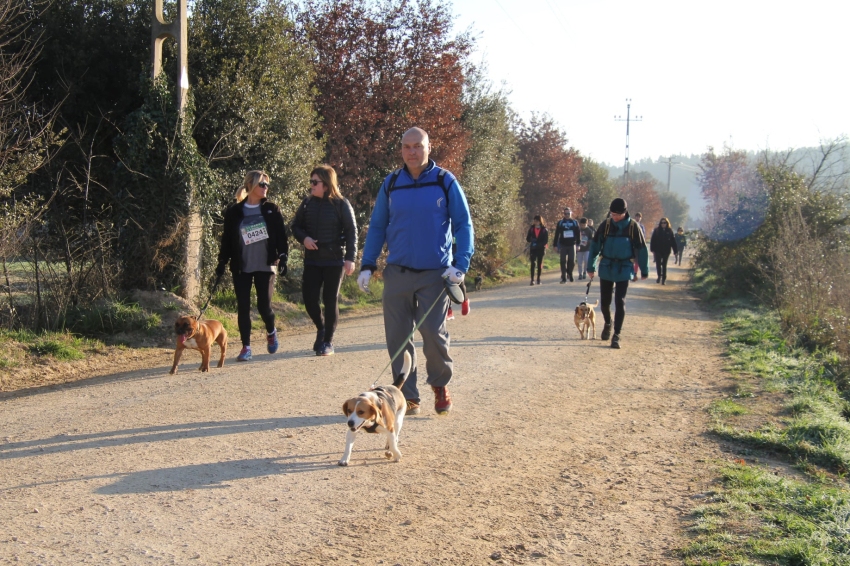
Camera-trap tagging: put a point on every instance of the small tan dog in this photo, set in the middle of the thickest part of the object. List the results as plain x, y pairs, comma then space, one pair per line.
381, 409
199, 336
585, 318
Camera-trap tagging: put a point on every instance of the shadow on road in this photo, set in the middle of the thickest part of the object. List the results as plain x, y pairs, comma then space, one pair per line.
68, 443
215, 475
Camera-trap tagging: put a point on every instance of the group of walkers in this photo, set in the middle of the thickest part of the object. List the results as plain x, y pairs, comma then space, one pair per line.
618, 248
422, 216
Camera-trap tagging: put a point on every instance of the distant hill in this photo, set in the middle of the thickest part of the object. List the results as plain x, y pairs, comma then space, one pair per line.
683, 174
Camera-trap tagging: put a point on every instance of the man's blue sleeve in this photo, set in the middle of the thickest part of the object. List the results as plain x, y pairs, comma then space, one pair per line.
461, 226
376, 237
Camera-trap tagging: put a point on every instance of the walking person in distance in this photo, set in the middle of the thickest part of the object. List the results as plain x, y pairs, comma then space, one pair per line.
325, 225
566, 239
537, 238
583, 251
662, 242
253, 242
620, 242
681, 242
418, 210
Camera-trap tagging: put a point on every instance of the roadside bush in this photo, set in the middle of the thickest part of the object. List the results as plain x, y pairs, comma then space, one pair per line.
110, 317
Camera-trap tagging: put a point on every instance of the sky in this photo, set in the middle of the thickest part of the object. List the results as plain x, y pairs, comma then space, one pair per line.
750, 74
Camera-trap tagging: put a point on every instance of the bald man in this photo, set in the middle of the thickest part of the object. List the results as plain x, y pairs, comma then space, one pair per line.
419, 209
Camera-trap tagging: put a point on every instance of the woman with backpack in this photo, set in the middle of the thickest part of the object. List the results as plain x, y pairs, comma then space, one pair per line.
325, 225
537, 238
660, 244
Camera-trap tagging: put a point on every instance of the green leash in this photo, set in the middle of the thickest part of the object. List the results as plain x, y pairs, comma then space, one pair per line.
409, 336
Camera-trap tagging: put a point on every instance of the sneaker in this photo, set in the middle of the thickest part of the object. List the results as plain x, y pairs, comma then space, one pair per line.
327, 349
244, 355
464, 307
658, 280
442, 400
450, 315
320, 339
272, 342
615, 342
563, 280
538, 281
571, 278
606, 332
412, 408
532, 282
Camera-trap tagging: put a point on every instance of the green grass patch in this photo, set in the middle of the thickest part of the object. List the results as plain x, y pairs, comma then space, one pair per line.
57, 345
815, 429
110, 318
726, 407
761, 518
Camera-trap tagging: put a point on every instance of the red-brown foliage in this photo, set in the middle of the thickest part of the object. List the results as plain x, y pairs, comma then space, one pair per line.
381, 69
550, 170
641, 197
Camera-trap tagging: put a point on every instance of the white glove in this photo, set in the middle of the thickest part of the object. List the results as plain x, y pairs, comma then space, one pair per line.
363, 280
454, 275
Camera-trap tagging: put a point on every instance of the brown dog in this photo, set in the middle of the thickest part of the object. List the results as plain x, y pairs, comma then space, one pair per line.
585, 318
199, 336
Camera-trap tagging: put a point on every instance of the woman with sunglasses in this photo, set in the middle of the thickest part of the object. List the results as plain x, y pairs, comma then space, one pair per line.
325, 225
254, 241
662, 241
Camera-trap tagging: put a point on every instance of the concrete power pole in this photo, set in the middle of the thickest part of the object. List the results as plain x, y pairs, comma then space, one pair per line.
628, 119
178, 30
670, 163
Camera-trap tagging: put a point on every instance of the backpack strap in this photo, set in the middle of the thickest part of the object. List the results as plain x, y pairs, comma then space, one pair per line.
441, 181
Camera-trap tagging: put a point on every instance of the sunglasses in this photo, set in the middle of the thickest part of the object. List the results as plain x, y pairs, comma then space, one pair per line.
263, 185
314, 182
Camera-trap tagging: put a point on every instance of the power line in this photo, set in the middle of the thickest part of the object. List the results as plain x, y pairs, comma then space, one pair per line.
522, 31
557, 17
670, 163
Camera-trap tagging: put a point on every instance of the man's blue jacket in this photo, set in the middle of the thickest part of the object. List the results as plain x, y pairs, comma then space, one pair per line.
417, 223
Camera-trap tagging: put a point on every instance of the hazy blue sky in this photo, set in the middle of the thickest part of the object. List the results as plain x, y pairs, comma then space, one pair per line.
755, 74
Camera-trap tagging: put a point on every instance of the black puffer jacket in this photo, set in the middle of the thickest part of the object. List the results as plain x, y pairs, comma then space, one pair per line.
278, 245
662, 241
331, 224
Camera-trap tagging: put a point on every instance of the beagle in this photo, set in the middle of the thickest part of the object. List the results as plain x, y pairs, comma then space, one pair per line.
585, 318
381, 409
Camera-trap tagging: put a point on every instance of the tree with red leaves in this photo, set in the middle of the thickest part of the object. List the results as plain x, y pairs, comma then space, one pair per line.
550, 169
382, 68
641, 197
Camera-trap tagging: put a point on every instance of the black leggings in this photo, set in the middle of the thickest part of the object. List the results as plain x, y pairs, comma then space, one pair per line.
661, 265
606, 289
324, 282
536, 257
264, 283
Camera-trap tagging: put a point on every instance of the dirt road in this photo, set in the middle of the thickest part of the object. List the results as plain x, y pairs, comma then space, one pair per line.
557, 451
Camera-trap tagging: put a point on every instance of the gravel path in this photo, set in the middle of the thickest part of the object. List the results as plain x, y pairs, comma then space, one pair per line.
557, 451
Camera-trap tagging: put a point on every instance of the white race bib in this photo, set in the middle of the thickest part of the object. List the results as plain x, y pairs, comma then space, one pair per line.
583, 240
568, 233
254, 233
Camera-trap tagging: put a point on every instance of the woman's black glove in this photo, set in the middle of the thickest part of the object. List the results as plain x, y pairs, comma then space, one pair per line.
281, 263
219, 270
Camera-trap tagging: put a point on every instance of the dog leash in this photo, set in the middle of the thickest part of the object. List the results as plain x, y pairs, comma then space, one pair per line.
587, 291
409, 336
212, 293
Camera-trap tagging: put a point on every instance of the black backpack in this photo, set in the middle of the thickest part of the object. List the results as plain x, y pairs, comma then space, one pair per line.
441, 182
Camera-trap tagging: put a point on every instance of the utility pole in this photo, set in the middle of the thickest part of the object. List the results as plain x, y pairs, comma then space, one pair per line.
670, 163
628, 119
178, 30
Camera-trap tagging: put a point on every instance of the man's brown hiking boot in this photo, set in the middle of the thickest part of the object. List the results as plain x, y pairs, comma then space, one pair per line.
412, 408
442, 400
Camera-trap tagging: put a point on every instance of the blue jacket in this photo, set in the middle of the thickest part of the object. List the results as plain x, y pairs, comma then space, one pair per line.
618, 243
418, 225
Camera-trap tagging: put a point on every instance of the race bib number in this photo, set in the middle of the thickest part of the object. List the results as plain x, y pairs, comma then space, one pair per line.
584, 240
253, 233
568, 234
